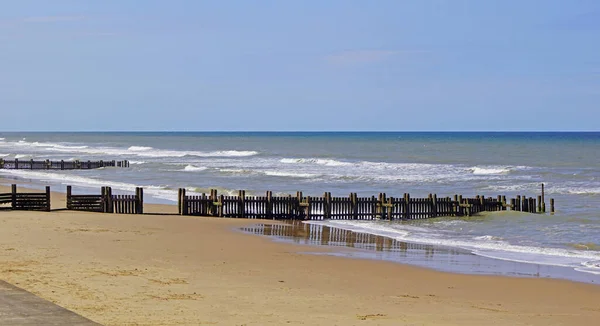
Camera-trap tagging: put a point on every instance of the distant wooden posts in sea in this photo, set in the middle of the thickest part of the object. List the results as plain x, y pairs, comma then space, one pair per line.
60, 165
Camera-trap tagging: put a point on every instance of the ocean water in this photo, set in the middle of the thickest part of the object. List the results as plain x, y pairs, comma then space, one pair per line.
367, 163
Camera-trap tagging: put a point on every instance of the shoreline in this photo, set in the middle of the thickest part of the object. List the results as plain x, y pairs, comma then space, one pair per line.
168, 269
457, 260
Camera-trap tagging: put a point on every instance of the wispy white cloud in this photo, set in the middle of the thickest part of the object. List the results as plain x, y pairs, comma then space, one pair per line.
364, 56
53, 19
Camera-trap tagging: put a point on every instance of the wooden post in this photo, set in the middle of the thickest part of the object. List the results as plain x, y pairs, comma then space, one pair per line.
140, 201
243, 204
434, 208
407, 212
503, 202
179, 202
269, 204
543, 203
48, 203
297, 208
31, 164
390, 208
307, 215
48, 164
327, 206
16, 164
354, 199
1, 163
220, 207
13, 190
539, 204
69, 197
552, 205
109, 200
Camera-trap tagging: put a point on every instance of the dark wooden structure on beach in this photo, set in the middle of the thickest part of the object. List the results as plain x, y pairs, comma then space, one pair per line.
301, 207
106, 202
32, 201
289, 207
59, 165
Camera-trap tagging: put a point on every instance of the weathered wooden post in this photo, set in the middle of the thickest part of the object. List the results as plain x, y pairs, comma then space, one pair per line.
327, 206
354, 198
16, 164
269, 204
13, 190
243, 204
109, 200
1, 163
539, 204
407, 211
179, 201
69, 197
221, 204
48, 203
518, 203
552, 205
543, 203
140, 200
47, 164
434, 206
308, 208
297, 208
390, 208
31, 164
503, 202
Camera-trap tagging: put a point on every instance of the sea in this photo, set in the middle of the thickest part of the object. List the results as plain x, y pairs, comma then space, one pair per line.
367, 163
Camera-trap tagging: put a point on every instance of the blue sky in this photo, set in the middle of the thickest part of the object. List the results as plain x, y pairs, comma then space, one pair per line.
300, 65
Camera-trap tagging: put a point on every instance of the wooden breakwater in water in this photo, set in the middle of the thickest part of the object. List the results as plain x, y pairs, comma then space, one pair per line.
289, 207
301, 207
60, 165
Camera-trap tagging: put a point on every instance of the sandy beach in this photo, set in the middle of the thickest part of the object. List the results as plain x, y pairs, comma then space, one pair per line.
162, 269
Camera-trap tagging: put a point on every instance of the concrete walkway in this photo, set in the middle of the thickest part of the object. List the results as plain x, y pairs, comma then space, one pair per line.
19, 307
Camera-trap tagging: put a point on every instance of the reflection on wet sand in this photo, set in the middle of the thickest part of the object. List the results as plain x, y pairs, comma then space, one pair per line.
369, 246
313, 234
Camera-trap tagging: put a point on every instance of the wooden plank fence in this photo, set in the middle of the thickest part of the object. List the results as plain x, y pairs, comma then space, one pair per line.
301, 207
59, 165
34, 201
106, 202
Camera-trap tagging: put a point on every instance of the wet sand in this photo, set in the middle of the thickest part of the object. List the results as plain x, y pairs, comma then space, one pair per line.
166, 269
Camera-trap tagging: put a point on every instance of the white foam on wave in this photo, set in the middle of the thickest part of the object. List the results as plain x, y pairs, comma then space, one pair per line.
318, 161
139, 148
192, 168
137, 162
486, 246
18, 156
142, 151
490, 170
289, 174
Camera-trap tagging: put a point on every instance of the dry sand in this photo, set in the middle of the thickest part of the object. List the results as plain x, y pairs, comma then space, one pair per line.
173, 270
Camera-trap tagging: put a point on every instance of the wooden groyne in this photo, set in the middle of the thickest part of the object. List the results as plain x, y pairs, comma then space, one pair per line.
301, 207
60, 165
106, 202
289, 207
31, 201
